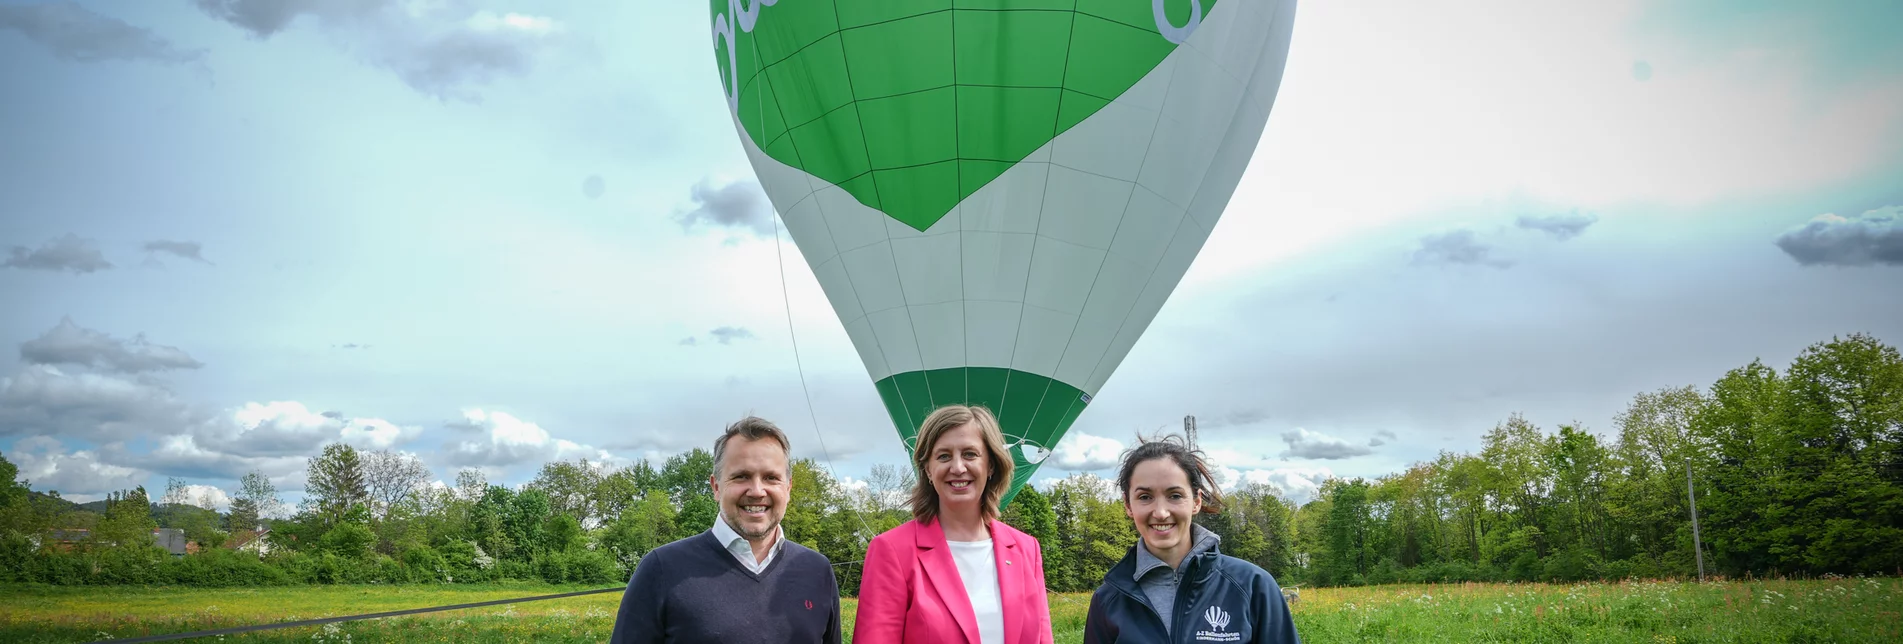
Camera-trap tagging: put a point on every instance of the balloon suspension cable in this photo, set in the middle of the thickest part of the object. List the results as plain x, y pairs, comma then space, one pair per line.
779, 262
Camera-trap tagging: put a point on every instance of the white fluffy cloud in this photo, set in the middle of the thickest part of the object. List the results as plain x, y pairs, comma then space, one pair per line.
209, 497
79, 475
1303, 443
499, 439
289, 428
1297, 484
1080, 451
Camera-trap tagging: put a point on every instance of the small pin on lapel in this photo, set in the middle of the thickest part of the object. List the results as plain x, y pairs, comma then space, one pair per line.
1007, 562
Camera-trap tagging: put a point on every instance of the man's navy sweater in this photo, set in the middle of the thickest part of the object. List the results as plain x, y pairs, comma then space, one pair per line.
693, 590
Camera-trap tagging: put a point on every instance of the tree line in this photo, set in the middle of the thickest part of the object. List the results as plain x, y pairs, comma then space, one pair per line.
1797, 472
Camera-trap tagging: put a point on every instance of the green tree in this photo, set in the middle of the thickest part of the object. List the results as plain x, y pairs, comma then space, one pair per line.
1646, 497
127, 522
334, 482
257, 502
646, 525
685, 475
1347, 531
571, 488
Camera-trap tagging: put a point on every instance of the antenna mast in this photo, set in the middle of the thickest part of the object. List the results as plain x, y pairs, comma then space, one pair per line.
1189, 431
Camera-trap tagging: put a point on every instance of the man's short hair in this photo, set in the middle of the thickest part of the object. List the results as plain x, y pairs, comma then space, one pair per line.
752, 428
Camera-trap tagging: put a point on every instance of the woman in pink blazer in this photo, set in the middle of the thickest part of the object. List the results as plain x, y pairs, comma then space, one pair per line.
955, 572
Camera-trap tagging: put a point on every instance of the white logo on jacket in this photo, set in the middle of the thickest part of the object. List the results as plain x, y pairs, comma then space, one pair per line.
1218, 619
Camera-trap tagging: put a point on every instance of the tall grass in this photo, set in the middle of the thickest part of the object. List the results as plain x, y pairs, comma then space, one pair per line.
1828, 610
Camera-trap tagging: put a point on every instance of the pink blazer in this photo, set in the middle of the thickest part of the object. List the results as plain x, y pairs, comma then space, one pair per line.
910, 591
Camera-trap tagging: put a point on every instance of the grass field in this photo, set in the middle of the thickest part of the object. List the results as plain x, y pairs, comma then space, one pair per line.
1840, 610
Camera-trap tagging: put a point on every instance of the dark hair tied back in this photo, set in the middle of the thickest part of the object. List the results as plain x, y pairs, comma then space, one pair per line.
1191, 461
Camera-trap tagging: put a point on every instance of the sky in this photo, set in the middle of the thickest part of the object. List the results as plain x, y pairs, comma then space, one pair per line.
495, 234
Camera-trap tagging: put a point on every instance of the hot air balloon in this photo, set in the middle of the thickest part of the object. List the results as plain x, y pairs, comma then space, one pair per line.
998, 196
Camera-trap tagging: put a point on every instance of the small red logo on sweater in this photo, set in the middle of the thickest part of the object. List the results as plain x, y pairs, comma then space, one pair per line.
809, 604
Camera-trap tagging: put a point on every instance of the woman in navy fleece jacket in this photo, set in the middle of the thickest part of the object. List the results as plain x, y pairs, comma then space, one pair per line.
1175, 586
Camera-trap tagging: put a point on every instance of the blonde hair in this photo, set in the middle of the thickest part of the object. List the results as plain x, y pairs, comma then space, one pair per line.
924, 495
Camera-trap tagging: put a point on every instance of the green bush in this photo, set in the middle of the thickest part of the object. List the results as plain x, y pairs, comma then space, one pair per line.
577, 567
220, 568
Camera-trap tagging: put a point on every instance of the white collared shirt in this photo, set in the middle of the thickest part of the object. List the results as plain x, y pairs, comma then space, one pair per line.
741, 549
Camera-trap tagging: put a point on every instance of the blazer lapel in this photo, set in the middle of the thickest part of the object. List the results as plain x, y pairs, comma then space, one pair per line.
935, 553
1010, 563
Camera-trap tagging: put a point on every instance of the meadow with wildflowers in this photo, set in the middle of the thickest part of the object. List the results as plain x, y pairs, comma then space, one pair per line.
1817, 610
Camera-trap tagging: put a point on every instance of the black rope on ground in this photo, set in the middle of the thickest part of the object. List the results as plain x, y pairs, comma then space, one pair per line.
329, 620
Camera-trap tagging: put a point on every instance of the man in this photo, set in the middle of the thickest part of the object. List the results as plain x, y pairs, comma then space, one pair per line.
741, 581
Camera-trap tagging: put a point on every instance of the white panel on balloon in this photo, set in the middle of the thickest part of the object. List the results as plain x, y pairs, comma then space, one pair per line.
940, 329
1241, 51
839, 290
1010, 203
893, 327
1187, 240
925, 268
1083, 208
867, 343
1195, 119
809, 231
991, 332
1109, 142
1041, 339
1061, 274
853, 224
995, 265
874, 277
1147, 226
1216, 34
1109, 306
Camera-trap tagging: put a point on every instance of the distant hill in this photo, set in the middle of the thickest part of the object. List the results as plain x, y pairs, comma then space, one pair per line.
64, 504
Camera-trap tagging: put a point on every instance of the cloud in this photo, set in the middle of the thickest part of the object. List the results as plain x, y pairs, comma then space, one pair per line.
738, 204
1306, 444
1232, 457
1381, 438
727, 334
289, 428
66, 253
69, 343
1456, 247
1297, 484
209, 497
72, 32
46, 400
1080, 451
503, 440
441, 49
182, 455
1874, 237
46, 465
1561, 227
593, 186
184, 249
688, 341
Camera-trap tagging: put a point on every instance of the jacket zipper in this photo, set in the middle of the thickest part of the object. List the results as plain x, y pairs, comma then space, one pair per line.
1174, 621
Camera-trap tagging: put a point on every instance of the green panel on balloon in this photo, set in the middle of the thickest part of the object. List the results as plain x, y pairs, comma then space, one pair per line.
1044, 412
910, 93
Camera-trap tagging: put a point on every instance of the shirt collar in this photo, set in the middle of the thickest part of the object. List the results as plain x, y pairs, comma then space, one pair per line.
727, 535
1146, 562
